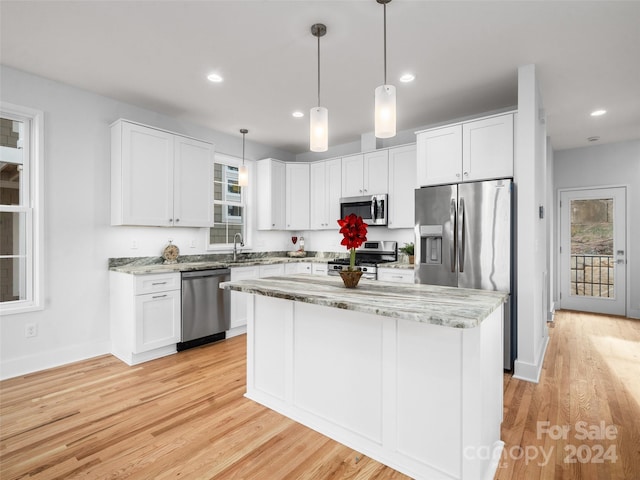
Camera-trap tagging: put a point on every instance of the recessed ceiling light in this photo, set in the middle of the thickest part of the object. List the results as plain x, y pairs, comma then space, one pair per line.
298, 114
407, 77
214, 77
597, 113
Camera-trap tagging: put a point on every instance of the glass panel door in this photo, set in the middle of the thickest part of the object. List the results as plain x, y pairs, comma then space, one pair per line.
593, 252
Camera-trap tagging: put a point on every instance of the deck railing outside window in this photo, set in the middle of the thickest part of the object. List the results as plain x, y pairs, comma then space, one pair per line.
592, 275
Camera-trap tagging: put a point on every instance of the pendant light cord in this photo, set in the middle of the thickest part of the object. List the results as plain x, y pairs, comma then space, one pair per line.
385, 43
243, 131
318, 71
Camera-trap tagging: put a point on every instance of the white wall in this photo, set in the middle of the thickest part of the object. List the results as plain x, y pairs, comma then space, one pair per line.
78, 238
530, 177
613, 164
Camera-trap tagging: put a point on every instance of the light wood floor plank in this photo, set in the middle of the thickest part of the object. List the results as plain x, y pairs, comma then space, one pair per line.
185, 416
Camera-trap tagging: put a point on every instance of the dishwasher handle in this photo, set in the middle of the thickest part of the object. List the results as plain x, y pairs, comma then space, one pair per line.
216, 272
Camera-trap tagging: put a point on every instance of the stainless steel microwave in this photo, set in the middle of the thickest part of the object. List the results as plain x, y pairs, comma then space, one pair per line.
372, 208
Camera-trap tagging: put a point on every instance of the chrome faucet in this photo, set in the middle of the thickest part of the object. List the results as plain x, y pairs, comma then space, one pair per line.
235, 247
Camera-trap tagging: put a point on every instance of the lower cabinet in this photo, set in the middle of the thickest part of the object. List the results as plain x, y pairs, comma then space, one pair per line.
319, 269
297, 267
400, 275
145, 315
238, 300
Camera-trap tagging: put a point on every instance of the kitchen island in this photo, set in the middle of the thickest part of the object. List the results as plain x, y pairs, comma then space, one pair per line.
410, 375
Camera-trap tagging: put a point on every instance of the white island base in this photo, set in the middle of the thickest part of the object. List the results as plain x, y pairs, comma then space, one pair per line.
424, 399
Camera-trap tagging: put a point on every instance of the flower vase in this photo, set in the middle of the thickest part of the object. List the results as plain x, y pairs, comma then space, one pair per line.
350, 278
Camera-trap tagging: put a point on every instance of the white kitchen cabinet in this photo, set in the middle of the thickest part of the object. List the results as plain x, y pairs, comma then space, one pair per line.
270, 191
325, 192
477, 150
402, 183
439, 156
159, 178
297, 267
238, 323
399, 275
365, 174
319, 269
487, 148
297, 196
145, 315
273, 270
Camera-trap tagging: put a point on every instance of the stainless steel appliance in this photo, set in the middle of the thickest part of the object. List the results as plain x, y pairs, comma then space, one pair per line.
464, 238
372, 208
206, 308
368, 256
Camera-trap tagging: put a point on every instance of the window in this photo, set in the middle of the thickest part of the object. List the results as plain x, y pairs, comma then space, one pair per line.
229, 210
20, 209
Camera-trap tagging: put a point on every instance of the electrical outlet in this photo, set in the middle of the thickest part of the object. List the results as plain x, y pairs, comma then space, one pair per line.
192, 244
134, 244
31, 330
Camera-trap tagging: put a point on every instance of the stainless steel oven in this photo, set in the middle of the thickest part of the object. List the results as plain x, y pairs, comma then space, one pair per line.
368, 256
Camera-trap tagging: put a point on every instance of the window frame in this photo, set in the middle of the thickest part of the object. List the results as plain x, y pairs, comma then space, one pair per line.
224, 159
32, 206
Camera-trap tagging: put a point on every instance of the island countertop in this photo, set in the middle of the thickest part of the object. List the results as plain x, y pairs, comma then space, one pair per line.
447, 306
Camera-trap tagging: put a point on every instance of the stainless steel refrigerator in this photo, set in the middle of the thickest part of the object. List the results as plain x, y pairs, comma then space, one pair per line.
464, 238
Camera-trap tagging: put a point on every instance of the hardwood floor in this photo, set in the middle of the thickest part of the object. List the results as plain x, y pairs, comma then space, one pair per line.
185, 416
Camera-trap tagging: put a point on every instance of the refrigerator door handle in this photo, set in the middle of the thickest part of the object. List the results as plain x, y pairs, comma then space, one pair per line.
461, 235
452, 247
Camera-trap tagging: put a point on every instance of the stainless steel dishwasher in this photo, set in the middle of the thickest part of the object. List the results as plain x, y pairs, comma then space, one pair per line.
206, 309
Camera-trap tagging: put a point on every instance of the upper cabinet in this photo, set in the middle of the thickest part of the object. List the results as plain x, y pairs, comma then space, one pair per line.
270, 191
325, 192
159, 178
365, 174
470, 151
297, 196
402, 183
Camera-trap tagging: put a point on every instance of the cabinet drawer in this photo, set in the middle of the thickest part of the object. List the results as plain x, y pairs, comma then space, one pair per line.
157, 282
396, 275
319, 269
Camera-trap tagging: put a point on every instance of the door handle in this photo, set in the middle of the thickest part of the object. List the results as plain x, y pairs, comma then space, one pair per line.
452, 246
461, 236
373, 209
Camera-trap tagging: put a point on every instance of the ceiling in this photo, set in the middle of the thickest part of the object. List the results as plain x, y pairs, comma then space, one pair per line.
464, 55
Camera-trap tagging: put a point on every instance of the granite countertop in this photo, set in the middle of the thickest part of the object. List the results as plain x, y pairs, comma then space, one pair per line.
447, 306
144, 265
399, 265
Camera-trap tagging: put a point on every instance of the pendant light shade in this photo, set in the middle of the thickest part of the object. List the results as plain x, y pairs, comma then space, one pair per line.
385, 95
319, 129
318, 116
385, 121
243, 173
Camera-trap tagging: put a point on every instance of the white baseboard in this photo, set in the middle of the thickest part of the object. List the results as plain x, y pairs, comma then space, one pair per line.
634, 313
16, 367
529, 371
234, 332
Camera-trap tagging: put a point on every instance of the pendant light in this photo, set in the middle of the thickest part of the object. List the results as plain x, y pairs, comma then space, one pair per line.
319, 116
243, 173
385, 110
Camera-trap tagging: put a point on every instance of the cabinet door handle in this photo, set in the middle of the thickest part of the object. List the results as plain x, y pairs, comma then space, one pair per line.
159, 283
177, 219
466, 174
159, 296
170, 220
457, 175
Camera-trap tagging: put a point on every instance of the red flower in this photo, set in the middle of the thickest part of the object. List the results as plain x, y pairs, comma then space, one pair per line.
354, 231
